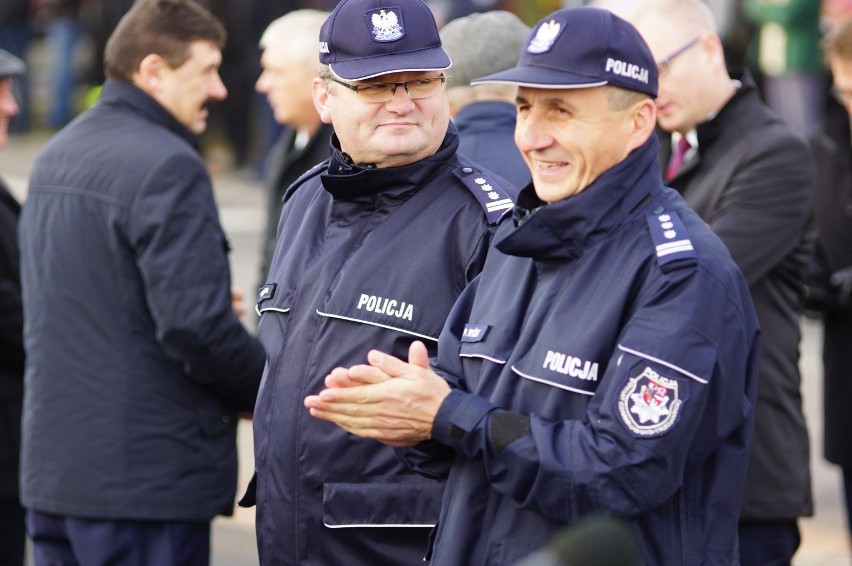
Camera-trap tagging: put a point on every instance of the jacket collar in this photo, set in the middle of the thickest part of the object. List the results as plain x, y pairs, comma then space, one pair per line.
348, 181
492, 113
738, 105
121, 93
563, 229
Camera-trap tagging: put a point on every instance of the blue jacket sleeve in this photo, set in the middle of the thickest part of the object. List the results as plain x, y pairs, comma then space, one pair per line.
181, 253
680, 382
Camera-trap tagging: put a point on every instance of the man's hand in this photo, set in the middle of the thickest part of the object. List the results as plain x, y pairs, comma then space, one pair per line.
238, 301
389, 400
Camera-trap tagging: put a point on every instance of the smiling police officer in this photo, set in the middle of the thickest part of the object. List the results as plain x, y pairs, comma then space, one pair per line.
605, 359
374, 246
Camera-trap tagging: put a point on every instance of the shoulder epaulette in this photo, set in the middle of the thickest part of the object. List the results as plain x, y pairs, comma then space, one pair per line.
670, 238
312, 172
490, 194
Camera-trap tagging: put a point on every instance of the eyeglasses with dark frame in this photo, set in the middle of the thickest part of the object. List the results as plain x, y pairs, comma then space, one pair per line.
664, 65
384, 92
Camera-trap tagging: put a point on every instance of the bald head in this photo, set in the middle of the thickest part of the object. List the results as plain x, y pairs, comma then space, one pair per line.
694, 80
688, 16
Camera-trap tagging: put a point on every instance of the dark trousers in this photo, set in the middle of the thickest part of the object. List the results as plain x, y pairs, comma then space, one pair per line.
768, 543
12, 534
68, 541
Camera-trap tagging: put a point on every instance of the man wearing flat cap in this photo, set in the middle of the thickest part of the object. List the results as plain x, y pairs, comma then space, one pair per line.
12, 534
482, 44
604, 362
374, 245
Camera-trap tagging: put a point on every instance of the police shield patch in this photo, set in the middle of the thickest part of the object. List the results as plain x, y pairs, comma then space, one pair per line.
649, 403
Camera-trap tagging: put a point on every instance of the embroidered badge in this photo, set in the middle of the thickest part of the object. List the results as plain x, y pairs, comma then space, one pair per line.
544, 37
385, 24
493, 198
266, 292
670, 238
475, 332
649, 403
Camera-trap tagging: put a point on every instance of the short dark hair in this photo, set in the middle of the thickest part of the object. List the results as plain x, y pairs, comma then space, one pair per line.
621, 99
163, 27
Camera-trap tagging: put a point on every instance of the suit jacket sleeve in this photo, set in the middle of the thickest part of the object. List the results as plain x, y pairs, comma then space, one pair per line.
181, 252
765, 208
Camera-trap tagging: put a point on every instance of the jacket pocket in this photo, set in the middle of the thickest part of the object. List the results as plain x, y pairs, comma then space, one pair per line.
347, 505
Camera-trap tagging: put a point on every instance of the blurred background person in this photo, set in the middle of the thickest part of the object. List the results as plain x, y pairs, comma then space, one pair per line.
15, 35
833, 213
63, 33
483, 44
749, 176
129, 421
289, 63
12, 534
785, 50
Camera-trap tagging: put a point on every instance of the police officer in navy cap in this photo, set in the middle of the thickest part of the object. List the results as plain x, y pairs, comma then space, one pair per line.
374, 245
12, 534
604, 362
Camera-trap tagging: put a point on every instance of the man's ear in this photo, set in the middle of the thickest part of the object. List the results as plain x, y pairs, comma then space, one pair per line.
322, 99
644, 120
149, 74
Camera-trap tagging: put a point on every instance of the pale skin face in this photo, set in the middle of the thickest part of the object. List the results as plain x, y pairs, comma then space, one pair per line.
568, 137
286, 82
841, 72
185, 91
8, 109
695, 83
391, 134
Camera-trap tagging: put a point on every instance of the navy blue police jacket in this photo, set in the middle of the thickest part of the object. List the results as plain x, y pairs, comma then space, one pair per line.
487, 132
366, 257
603, 362
137, 365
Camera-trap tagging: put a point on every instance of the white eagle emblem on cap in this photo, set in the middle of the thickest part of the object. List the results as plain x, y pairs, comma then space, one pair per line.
386, 26
544, 37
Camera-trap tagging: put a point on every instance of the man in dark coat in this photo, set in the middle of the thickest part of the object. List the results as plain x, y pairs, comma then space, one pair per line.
749, 176
12, 535
289, 64
137, 366
833, 215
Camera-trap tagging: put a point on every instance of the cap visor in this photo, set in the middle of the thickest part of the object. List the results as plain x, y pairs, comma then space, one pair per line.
10, 66
433, 59
540, 77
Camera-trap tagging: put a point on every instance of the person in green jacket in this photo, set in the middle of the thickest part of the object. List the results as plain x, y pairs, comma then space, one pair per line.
786, 52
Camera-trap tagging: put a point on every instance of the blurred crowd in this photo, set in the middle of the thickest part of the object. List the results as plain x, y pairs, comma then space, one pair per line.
780, 45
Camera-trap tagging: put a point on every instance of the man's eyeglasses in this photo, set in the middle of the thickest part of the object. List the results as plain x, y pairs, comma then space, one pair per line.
384, 92
664, 65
